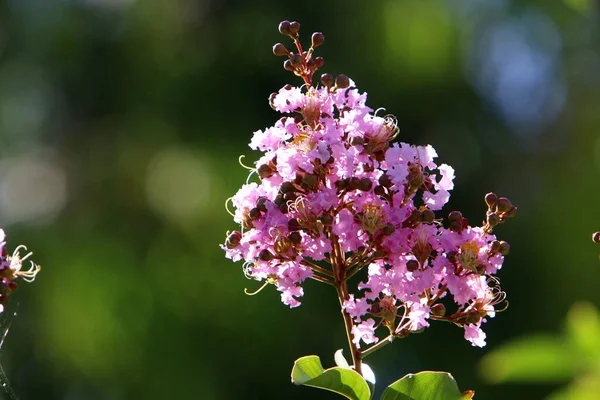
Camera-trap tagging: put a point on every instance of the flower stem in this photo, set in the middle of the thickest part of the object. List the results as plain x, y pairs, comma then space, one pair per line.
377, 346
339, 272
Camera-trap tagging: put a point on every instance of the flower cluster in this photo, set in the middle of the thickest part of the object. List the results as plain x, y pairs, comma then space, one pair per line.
338, 196
11, 269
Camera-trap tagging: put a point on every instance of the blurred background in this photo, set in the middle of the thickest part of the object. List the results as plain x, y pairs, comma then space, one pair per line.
121, 123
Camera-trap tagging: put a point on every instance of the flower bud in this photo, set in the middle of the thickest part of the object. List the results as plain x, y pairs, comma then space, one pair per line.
472, 318
493, 219
356, 141
296, 60
265, 255
384, 180
287, 65
504, 248
412, 265
490, 199
233, 240
354, 183
310, 64
596, 237
379, 190
290, 196
310, 180
283, 207
294, 225
264, 171
261, 204
451, 256
342, 184
342, 81
495, 247
279, 200
280, 50
294, 27
388, 229
438, 310
284, 28
319, 62
428, 216
327, 219
295, 238
504, 205
317, 39
365, 184
454, 216
327, 80
254, 213
287, 187
511, 213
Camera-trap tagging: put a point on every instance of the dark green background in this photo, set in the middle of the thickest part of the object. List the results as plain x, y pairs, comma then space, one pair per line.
121, 122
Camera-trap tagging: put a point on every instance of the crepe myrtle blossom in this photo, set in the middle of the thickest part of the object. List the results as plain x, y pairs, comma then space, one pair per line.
11, 268
338, 200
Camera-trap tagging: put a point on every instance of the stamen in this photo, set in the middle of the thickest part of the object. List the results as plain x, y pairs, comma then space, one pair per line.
257, 291
227, 206
243, 165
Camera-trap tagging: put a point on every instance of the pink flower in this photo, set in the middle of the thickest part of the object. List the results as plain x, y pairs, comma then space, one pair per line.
475, 335
364, 331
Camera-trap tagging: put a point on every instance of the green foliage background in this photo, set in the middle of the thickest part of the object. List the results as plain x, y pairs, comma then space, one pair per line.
121, 122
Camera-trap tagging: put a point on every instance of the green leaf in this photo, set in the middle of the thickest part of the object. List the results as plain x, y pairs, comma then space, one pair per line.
308, 371
536, 358
426, 385
583, 331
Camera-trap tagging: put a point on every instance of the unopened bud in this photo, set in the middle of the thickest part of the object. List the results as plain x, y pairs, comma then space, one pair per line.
379, 190
261, 203
264, 171
438, 309
504, 248
280, 50
365, 184
284, 28
504, 204
294, 27
310, 180
428, 216
412, 265
354, 183
342, 81
319, 62
490, 199
254, 213
265, 255
310, 64
294, 225
511, 213
287, 187
356, 141
495, 247
233, 240
295, 238
296, 60
454, 216
327, 80
388, 229
472, 318
327, 219
317, 39
287, 65
596, 237
342, 184
385, 180
493, 219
